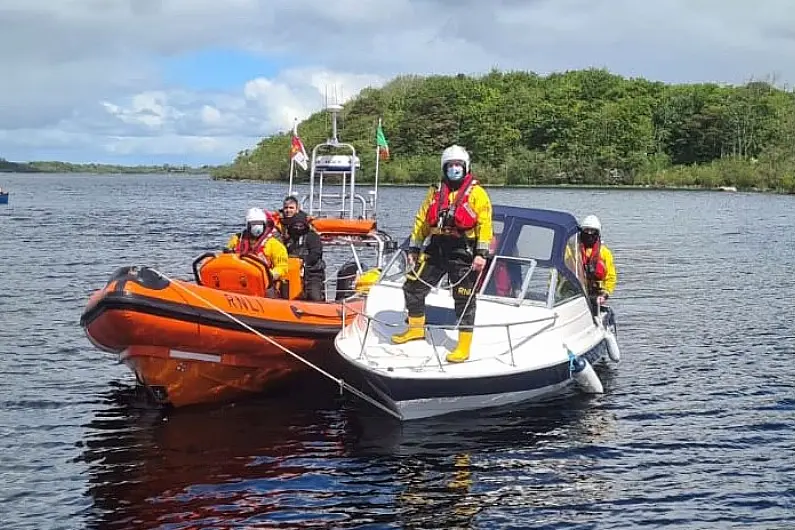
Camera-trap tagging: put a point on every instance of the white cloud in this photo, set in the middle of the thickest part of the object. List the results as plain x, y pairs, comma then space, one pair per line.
88, 79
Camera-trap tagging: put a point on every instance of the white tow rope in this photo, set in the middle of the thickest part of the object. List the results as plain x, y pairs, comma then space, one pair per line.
342, 383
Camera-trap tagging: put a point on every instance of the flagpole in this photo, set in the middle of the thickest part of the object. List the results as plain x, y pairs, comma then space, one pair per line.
292, 158
377, 164
292, 170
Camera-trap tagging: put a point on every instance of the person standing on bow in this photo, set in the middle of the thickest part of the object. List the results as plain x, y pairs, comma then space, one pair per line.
457, 217
260, 239
304, 242
597, 259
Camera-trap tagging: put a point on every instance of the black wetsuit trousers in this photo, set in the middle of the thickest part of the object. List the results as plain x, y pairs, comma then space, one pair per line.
444, 256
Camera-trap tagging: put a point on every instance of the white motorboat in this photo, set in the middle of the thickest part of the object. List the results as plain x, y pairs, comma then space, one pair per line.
535, 333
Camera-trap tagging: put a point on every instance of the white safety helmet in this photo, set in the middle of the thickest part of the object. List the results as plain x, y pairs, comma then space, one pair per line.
591, 222
254, 215
457, 153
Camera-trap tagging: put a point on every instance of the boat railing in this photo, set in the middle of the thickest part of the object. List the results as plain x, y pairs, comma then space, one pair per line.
336, 164
381, 244
348, 311
397, 266
338, 205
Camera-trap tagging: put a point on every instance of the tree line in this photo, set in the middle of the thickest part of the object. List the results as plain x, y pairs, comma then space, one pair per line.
587, 127
68, 167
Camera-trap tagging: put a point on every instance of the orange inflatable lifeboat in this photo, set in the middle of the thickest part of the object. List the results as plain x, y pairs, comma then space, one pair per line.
184, 340
233, 330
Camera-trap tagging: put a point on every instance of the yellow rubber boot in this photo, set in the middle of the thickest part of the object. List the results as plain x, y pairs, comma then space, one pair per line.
461, 351
415, 331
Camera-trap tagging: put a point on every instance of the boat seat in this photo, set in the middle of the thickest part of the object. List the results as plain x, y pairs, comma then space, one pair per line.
229, 272
293, 287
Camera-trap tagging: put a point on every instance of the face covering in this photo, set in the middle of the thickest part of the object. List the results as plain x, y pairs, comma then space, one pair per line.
297, 229
455, 172
257, 230
589, 238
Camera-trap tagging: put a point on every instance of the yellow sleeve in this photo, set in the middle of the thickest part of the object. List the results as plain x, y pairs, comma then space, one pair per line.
233, 241
609, 283
421, 228
276, 254
570, 258
481, 203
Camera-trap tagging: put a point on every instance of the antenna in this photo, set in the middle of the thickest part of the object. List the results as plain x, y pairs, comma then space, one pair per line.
342, 98
326, 104
334, 110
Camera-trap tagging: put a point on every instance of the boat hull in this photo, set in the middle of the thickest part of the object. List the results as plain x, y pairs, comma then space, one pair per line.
185, 342
3, 198
179, 378
418, 398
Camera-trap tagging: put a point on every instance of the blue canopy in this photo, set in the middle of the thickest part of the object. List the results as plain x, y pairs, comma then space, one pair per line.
563, 224
564, 221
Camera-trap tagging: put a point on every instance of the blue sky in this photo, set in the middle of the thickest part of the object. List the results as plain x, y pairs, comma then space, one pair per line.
196, 81
219, 68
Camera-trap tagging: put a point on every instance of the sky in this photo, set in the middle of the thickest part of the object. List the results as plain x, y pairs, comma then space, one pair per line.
196, 81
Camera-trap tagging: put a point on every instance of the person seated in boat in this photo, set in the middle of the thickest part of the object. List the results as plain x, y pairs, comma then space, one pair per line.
457, 217
597, 259
290, 207
304, 242
260, 239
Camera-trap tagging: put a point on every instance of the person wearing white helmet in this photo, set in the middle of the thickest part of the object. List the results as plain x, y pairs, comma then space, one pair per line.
259, 239
456, 215
600, 270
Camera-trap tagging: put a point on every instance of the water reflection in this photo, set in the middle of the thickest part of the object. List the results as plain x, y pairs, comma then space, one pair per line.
456, 471
295, 462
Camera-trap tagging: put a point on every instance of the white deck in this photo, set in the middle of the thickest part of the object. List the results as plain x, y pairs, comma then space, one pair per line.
538, 344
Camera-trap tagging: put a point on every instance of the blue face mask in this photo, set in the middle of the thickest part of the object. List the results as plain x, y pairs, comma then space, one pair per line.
455, 172
257, 229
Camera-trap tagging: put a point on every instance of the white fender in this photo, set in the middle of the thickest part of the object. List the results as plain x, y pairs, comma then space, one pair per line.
612, 346
586, 377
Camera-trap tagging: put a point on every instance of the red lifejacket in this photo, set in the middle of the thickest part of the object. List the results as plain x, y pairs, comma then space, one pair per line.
595, 267
460, 215
244, 245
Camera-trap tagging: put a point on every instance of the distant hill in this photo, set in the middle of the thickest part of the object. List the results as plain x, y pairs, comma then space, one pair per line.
587, 127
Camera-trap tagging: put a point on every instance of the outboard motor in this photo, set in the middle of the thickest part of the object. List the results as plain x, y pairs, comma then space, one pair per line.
346, 279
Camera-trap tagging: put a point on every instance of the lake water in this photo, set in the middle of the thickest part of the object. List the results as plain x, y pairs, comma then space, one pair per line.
696, 428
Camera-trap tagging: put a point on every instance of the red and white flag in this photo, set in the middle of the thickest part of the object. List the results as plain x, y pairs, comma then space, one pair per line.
297, 151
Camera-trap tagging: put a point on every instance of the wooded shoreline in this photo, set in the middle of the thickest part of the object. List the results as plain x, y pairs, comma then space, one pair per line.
585, 127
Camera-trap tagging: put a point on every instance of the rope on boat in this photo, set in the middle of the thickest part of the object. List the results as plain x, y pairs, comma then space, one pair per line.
470, 297
452, 286
415, 272
341, 382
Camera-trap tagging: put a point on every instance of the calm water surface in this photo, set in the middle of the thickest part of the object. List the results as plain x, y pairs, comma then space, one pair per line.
696, 428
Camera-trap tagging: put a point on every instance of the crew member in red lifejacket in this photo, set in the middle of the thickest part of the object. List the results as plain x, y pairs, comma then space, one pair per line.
261, 240
457, 217
600, 271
